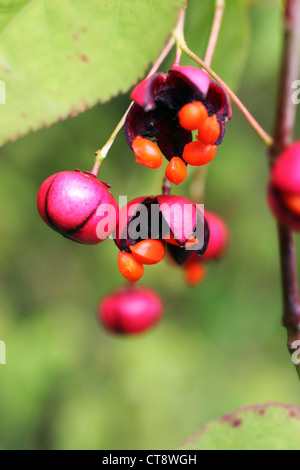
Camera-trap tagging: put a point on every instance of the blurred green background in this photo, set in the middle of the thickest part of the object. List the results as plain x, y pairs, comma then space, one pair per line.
67, 383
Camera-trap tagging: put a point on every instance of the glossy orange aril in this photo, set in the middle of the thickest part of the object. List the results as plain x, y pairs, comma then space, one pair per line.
147, 152
209, 132
197, 153
192, 116
194, 273
129, 267
148, 251
176, 171
292, 202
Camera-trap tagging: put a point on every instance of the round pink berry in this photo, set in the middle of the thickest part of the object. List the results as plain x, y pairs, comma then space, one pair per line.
130, 310
284, 188
78, 206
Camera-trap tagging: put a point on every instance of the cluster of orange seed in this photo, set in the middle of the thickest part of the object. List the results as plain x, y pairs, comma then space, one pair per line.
192, 117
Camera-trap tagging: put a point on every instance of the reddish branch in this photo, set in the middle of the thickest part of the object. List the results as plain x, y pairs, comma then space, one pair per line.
283, 136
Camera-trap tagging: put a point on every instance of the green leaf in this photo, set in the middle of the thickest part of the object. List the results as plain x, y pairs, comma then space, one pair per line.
10, 10
58, 58
260, 427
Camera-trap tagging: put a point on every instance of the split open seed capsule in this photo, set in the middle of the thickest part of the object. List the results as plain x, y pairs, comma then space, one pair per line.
168, 107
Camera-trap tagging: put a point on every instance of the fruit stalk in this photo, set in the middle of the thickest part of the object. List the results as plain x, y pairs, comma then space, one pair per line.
200, 175
166, 188
283, 137
265, 137
215, 31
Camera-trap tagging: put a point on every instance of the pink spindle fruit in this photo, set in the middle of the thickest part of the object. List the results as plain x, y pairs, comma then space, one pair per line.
78, 206
130, 310
284, 188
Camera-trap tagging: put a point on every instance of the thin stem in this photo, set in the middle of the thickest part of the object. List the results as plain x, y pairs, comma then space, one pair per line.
266, 138
199, 184
178, 56
200, 174
101, 154
286, 109
283, 136
178, 32
289, 280
215, 31
166, 189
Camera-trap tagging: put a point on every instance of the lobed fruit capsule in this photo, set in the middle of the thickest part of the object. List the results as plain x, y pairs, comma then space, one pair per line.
167, 107
147, 153
130, 310
198, 154
148, 251
192, 116
78, 206
209, 132
176, 170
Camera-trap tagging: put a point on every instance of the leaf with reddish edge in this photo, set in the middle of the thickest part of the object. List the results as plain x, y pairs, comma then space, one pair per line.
272, 426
